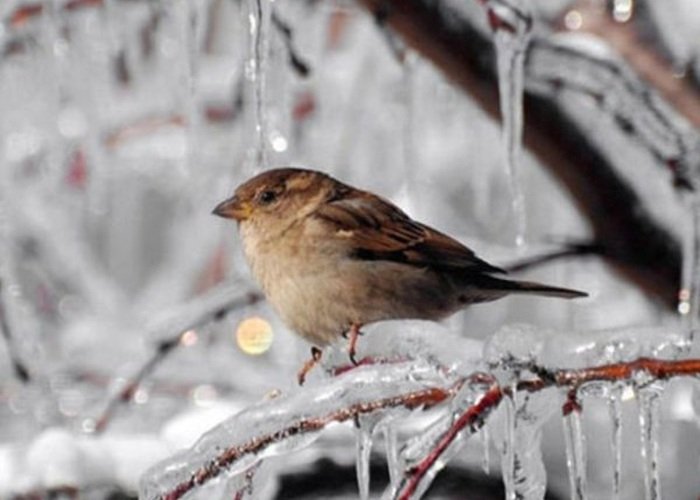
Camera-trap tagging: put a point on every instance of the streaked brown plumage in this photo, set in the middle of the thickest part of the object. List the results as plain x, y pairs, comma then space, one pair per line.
330, 257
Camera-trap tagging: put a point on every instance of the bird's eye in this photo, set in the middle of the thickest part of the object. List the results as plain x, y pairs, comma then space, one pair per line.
267, 197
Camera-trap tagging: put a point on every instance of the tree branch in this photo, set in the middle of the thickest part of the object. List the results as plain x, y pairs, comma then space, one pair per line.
474, 416
642, 250
213, 307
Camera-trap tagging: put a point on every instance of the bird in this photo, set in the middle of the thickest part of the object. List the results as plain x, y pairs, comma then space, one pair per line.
331, 258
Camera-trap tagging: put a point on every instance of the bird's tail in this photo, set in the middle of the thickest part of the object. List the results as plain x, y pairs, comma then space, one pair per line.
512, 286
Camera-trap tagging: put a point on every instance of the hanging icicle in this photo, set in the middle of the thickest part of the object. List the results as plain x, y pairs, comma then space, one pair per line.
259, 22
511, 24
508, 445
615, 409
649, 398
392, 452
364, 450
486, 456
575, 454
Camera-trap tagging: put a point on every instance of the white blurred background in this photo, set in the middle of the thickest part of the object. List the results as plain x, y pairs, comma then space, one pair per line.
123, 123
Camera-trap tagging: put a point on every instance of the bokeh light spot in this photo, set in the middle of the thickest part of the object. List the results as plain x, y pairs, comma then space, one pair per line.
254, 335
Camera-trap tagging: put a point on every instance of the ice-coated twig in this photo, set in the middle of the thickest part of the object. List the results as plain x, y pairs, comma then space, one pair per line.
234, 446
472, 417
200, 311
290, 422
18, 367
659, 369
418, 474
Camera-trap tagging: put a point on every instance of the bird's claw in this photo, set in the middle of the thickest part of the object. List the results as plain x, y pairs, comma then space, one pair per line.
309, 364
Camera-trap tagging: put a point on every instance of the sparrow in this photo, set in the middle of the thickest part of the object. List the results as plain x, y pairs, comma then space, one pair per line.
331, 258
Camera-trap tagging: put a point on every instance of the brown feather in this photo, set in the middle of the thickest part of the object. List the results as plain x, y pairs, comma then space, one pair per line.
379, 230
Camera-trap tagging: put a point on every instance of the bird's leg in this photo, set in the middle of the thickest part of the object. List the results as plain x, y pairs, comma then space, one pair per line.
309, 364
354, 334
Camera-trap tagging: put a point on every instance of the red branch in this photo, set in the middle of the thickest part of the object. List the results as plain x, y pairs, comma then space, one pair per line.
660, 369
473, 416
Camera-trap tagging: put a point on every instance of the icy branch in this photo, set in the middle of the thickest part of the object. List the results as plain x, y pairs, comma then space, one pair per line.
449, 36
289, 423
198, 312
418, 474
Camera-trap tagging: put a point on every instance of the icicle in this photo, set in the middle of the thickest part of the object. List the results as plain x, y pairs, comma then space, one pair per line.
615, 409
259, 21
575, 454
511, 23
392, 453
649, 430
689, 294
508, 446
486, 457
518, 429
364, 449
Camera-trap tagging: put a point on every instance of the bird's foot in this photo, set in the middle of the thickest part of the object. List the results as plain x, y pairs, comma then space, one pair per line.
353, 334
309, 364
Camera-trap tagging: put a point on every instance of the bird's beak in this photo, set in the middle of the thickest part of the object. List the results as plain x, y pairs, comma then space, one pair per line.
233, 208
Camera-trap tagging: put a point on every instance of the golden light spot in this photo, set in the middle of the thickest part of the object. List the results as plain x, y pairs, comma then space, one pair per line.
254, 336
189, 338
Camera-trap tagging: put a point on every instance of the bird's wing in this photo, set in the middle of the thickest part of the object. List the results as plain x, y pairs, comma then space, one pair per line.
378, 230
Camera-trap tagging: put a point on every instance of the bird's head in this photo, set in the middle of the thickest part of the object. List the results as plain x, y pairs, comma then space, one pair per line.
277, 198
